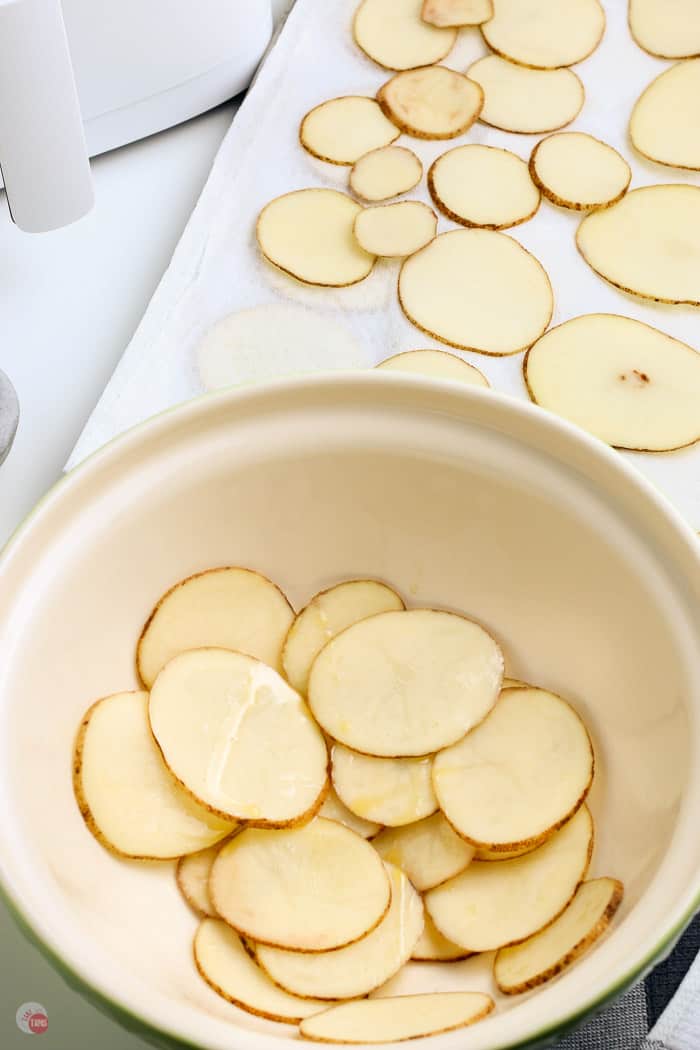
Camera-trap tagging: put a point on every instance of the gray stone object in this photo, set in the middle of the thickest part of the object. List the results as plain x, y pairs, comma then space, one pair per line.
9, 415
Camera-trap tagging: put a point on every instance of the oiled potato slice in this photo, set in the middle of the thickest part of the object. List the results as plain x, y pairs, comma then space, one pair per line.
384, 173
192, 873
483, 186
390, 791
396, 230
490, 906
530, 101
436, 364
665, 120
428, 851
232, 608
334, 809
395, 1019
238, 737
446, 13
666, 28
629, 384
545, 34
126, 795
310, 889
577, 171
343, 129
392, 34
433, 947
403, 684
432, 102
547, 954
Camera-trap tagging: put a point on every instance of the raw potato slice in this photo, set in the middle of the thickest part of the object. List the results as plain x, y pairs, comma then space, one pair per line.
457, 287
385, 173
403, 684
629, 384
239, 738
447, 13
395, 1019
334, 809
396, 230
520, 775
436, 364
310, 889
433, 947
490, 906
226, 966
350, 972
530, 101
232, 608
497, 855
391, 791
392, 34
666, 28
665, 120
308, 234
544, 956
192, 873
326, 615
124, 791
545, 34
514, 683
428, 851
432, 102
342, 130
648, 244
577, 171
483, 186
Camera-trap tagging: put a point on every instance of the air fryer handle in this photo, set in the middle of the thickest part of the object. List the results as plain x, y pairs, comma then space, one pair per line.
43, 155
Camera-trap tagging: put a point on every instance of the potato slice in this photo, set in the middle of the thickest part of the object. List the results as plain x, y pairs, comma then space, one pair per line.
490, 906
326, 615
385, 173
342, 130
514, 683
433, 947
447, 13
391, 791
310, 889
232, 608
530, 101
192, 873
544, 956
483, 186
396, 230
665, 120
455, 289
239, 738
126, 795
577, 171
226, 966
428, 851
648, 243
358, 969
629, 384
666, 29
432, 102
497, 855
308, 235
397, 1018
392, 34
436, 364
545, 34
519, 775
403, 684
334, 809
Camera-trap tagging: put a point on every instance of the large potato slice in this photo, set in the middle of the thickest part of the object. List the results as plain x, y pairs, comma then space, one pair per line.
433, 947
577, 171
446, 13
432, 102
385, 173
342, 130
396, 230
403, 684
436, 364
192, 873
455, 290
665, 120
350, 972
334, 809
308, 234
391, 791
392, 34
530, 101
545, 34
519, 775
490, 906
629, 384
428, 851
310, 889
483, 186
239, 738
395, 1019
666, 28
126, 795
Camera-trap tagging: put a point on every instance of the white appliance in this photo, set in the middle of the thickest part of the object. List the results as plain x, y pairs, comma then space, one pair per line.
85, 76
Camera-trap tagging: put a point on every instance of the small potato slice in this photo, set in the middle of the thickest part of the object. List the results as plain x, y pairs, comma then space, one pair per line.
239, 738
326, 615
358, 969
227, 967
124, 791
432, 102
629, 384
545, 34
392, 34
666, 28
436, 364
309, 889
396, 230
397, 1018
433, 947
232, 608
665, 119
192, 873
497, 855
308, 235
342, 130
334, 809
490, 906
530, 101
577, 171
404, 684
483, 186
390, 791
541, 958
428, 851
447, 13
455, 289
384, 173
519, 775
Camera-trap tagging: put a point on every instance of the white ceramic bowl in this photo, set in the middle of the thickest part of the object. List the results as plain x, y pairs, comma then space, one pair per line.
459, 497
